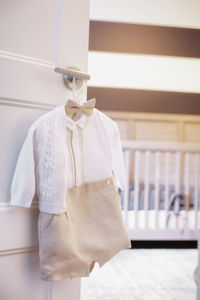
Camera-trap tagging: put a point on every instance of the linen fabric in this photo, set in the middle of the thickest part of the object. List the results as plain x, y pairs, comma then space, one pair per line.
92, 230
74, 110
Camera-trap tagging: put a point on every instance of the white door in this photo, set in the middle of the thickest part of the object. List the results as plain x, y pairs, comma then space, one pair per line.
34, 35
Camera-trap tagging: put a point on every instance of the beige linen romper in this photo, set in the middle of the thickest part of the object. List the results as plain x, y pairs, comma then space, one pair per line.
92, 230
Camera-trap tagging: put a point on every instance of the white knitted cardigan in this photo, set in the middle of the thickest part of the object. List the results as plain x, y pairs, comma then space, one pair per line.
40, 170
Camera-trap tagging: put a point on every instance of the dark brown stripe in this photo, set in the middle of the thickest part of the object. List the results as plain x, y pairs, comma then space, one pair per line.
144, 39
145, 100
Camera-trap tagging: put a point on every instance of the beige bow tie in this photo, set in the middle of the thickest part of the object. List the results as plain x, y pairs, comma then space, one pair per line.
74, 110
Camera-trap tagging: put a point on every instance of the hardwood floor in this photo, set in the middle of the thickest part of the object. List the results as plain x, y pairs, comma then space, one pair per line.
143, 274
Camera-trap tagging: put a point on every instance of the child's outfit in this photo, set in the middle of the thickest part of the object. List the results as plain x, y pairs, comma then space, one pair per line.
72, 163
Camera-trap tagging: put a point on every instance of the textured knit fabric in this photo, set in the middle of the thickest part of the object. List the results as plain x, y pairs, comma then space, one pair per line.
91, 230
56, 149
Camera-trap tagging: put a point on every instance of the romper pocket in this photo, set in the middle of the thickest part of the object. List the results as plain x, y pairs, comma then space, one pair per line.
45, 220
49, 223
67, 216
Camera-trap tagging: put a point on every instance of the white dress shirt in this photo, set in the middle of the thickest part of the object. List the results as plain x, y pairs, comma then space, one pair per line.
59, 152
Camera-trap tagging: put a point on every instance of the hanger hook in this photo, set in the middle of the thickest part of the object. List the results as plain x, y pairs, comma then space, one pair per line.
71, 81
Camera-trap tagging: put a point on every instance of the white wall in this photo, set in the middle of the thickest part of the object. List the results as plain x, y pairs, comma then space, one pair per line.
147, 72
178, 13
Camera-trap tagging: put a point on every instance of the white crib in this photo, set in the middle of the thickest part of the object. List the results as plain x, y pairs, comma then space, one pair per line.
161, 198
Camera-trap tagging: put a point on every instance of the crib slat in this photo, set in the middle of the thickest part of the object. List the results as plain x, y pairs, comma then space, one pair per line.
196, 189
190, 168
167, 172
177, 185
146, 187
157, 188
126, 189
186, 185
136, 185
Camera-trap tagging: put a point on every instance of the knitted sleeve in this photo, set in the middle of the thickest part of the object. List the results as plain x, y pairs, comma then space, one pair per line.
23, 181
118, 166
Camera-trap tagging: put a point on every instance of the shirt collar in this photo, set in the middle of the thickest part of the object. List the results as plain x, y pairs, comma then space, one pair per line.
71, 124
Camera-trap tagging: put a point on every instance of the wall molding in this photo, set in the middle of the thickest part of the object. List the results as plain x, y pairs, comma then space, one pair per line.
5, 206
21, 250
25, 103
27, 59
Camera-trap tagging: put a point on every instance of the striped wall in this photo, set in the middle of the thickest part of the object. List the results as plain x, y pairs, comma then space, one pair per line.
144, 56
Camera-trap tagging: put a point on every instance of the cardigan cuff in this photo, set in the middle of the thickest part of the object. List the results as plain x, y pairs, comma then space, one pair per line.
21, 201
